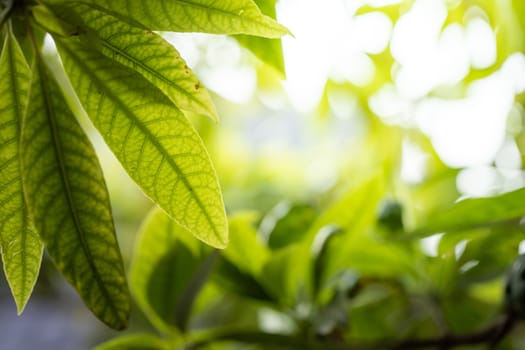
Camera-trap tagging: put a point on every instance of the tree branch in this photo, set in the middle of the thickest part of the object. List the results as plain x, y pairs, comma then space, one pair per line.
491, 336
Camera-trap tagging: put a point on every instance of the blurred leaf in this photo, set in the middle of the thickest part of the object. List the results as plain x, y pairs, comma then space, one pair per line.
150, 55
378, 313
320, 253
390, 215
284, 275
135, 342
244, 239
19, 243
68, 201
478, 212
192, 290
488, 254
353, 213
290, 226
153, 140
267, 50
165, 261
466, 314
207, 16
354, 209
231, 278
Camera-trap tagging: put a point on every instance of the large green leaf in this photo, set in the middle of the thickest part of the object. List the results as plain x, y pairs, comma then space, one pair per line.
476, 212
147, 53
20, 246
166, 258
152, 139
68, 201
207, 16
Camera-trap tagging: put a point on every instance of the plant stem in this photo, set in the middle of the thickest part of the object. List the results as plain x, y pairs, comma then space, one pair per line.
491, 336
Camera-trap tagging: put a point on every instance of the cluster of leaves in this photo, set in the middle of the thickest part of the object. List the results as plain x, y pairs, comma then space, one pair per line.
340, 278
136, 90
359, 273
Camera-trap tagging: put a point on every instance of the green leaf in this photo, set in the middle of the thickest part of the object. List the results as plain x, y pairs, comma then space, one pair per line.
355, 209
147, 53
207, 16
20, 246
290, 224
153, 140
231, 278
7, 7
165, 261
475, 213
353, 214
244, 239
269, 51
135, 342
68, 201
283, 275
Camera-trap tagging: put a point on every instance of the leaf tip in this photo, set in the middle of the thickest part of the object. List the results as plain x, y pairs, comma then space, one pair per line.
20, 306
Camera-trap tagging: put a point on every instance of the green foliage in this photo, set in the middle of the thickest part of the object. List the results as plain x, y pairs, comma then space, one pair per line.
477, 212
344, 269
135, 342
134, 87
21, 248
68, 201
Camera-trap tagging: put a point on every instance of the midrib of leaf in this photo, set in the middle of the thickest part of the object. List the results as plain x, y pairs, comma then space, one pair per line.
257, 18
18, 108
25, 224
148, 69
166, 156
65, 183
226, 13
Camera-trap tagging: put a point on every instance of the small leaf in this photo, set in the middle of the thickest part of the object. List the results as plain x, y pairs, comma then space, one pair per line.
353, 213
207, 16
165, 261
135, 342
269, 51
284, 274
153, 140
20, 245
475, 213
290, 223
148, 54
355, 209
68, 201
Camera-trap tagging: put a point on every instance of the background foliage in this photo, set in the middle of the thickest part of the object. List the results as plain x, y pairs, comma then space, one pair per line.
333, 243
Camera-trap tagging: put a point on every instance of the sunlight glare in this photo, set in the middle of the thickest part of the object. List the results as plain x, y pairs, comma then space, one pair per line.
481, 43
374, 32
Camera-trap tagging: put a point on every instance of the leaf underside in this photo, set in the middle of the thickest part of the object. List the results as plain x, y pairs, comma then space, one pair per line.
153, 140
68, 201
145, 52
20, 245
206, 16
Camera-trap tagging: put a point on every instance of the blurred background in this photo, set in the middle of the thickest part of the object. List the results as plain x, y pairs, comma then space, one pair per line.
429, 90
